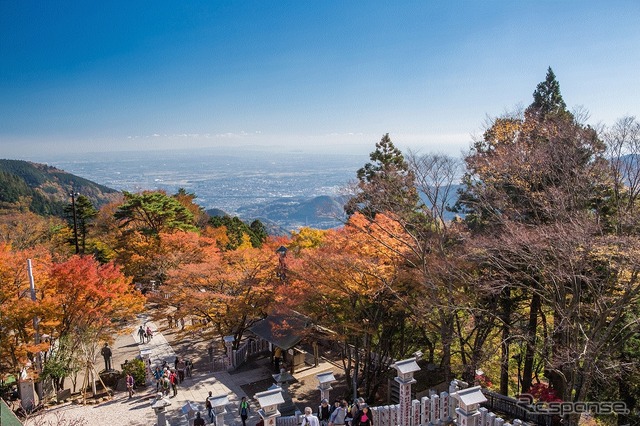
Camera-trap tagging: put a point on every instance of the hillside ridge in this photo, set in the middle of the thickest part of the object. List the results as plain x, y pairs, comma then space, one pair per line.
45, 189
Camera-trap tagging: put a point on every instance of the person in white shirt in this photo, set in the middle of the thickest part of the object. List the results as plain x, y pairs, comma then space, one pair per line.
309, 419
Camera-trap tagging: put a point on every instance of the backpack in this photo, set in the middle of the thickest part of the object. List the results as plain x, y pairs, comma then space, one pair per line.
340, 416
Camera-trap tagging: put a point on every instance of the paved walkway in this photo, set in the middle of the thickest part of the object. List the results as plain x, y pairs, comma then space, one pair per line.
255, 377
194, 390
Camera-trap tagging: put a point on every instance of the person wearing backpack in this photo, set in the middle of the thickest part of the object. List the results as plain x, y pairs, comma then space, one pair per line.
309, 419
173, 378
338, 415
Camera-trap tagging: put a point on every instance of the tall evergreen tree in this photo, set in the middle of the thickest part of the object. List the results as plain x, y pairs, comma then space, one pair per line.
85, 213
547, 98
386, 184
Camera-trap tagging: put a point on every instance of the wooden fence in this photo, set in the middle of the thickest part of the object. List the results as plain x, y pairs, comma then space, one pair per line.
250, 347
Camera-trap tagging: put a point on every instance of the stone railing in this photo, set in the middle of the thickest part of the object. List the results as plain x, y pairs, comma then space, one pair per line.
460, 406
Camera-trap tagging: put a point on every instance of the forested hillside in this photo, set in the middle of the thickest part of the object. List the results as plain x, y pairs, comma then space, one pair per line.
45, 190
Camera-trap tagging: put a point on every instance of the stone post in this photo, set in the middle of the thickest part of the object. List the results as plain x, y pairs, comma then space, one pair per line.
145, 354
269, 401
228, 343
469, 400
405, 379
325, 379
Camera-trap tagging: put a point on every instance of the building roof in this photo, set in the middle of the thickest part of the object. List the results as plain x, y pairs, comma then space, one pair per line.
269, 397
218, 401
470, 396
282, 330
6, 415
326, 377
406, 366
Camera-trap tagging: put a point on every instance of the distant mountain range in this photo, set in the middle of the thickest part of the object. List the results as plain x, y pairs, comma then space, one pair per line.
322, 212
45, 190
283, 215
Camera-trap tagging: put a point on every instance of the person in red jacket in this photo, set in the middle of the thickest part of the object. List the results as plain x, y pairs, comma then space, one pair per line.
173, 379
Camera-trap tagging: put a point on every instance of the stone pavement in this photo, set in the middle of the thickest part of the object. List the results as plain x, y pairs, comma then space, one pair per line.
195, 389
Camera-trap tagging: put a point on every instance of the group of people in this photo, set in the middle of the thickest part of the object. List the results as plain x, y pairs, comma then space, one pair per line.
166, 379
175, 322
340, 414
145, 334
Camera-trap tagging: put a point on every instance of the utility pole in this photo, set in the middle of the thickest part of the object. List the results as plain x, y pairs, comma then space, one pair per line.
36, 327
75, 220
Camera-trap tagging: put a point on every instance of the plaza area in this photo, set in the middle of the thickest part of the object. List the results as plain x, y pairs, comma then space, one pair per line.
167, 343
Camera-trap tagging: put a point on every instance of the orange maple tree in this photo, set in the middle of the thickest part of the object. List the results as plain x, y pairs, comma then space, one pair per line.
224, 292
73, 297
351, 283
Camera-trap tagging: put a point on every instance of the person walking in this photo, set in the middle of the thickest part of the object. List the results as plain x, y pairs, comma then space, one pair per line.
364, 417
244, 410
209, 407
309, 419
141, 334
324, 411
338, 415
130, 383
149, 334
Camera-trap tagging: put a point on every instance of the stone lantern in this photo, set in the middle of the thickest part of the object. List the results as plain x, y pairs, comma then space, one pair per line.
405, 379
469, 400
269, 401
217, 404
189, 410
324, 384
283, 378
159, 405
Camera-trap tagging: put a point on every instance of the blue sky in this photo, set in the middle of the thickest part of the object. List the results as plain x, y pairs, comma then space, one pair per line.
300, 75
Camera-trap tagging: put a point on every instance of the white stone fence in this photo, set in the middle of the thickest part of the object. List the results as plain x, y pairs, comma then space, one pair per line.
459, 406
434, 410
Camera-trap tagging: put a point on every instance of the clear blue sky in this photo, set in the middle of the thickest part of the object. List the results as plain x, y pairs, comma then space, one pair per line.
307, 75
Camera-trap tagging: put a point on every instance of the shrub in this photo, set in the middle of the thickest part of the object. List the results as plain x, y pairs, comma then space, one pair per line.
138, 370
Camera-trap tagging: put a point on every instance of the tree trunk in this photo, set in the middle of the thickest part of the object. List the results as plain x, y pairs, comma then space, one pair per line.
505, 317
532, 329
447, 339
